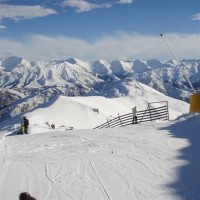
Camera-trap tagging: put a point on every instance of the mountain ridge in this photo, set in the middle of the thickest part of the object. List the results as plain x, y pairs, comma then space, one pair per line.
40, 81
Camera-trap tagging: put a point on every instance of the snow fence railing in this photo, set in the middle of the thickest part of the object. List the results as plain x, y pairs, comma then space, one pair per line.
148, 115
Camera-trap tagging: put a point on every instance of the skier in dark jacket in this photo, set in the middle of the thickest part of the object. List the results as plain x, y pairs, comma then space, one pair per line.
26, 124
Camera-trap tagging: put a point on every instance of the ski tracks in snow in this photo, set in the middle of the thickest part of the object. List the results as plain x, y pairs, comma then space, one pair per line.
103, 187
84, 166
54, 185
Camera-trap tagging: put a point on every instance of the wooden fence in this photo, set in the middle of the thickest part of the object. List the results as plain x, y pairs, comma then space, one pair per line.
148, 115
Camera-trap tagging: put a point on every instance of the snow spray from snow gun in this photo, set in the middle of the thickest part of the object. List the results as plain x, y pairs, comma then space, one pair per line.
195, 98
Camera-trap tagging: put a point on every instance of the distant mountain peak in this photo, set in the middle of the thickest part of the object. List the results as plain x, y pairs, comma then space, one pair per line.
72, 60
39, 81
10, 63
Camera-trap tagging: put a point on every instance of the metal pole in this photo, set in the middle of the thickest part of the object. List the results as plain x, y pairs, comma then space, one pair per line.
178, 64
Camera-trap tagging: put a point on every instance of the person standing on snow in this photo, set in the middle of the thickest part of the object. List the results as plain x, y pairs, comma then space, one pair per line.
26, 124
135, 115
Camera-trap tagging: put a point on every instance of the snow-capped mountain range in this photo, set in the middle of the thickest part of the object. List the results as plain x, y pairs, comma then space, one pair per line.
27, 84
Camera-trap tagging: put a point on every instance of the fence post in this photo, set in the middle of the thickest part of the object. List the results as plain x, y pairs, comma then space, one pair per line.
108, 123
120, 120
133, 116
167, 110
150, 112
144, 113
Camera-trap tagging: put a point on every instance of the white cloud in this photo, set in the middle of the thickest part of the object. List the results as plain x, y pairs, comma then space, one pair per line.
2, 27
120, 46
125, 1
196, 17
83, 6
23, 12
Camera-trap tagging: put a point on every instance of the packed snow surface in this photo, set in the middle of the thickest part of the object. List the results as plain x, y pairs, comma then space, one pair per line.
145, 161
156, 160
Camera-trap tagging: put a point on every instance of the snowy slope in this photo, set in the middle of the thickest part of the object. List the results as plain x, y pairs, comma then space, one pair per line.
141, 95
145, 161
81, 112
73, 77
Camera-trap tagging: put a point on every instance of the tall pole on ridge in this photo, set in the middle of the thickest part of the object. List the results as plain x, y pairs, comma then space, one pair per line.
194, 92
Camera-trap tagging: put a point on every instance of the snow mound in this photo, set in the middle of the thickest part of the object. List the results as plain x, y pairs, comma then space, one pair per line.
88, 112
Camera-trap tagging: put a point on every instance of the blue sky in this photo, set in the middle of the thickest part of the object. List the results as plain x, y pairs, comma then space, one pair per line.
99, 29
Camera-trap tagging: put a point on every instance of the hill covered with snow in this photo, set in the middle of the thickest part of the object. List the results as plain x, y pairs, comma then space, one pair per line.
25, 85
88, 112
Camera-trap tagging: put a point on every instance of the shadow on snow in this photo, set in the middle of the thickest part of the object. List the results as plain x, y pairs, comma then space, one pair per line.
188, 184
